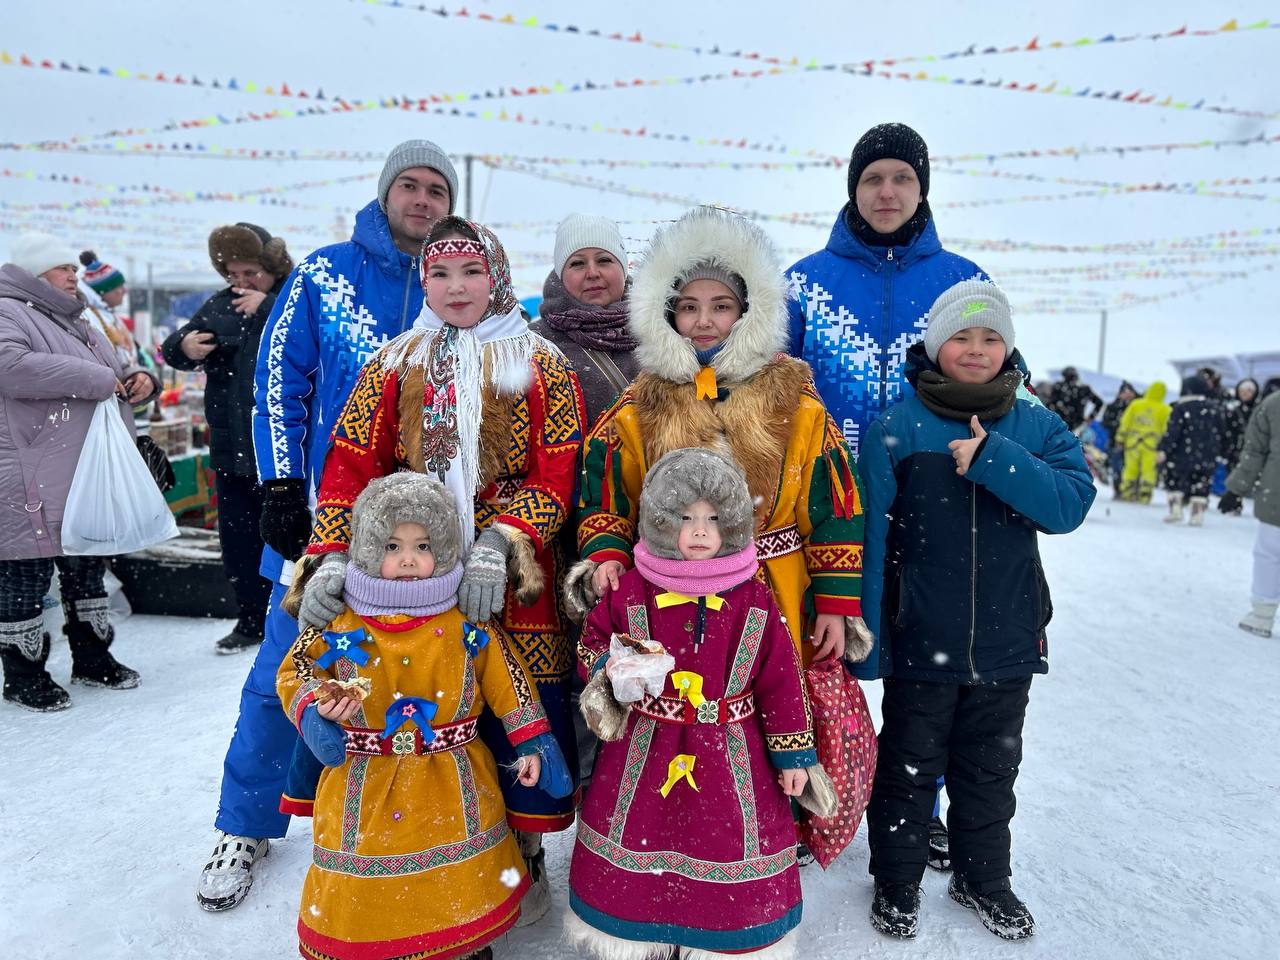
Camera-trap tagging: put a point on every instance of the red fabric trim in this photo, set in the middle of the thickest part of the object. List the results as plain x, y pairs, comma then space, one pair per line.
454, 942
529, 731
295, 807
316, 549
845, 606
524, 526
305, 702
409, 624
610, 553
533, 824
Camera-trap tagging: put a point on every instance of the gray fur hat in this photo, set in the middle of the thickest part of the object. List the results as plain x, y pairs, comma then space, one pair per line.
403, 498
683, 477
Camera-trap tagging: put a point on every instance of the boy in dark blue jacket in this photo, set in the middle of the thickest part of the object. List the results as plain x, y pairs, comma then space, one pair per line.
960, 478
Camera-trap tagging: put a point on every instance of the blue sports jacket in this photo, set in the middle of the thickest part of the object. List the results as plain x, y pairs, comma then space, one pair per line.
338, 307
854, 311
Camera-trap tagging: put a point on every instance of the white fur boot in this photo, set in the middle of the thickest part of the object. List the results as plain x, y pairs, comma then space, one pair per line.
1261, 620
1198, 506
1175, 507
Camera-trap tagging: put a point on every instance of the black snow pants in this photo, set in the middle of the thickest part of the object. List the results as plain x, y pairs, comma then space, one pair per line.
973, 735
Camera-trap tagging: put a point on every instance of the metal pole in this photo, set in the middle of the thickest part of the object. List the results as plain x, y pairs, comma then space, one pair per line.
466, 206
1102, 342
151, 310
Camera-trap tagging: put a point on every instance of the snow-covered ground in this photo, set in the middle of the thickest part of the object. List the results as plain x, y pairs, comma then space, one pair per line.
1149, 799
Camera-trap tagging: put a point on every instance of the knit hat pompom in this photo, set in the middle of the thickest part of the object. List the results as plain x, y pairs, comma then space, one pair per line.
682, 478
101, 277
580, 231
400, 498
969, 303
890, 141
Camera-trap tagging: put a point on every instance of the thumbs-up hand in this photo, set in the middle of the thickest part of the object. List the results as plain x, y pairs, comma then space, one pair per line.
963, 450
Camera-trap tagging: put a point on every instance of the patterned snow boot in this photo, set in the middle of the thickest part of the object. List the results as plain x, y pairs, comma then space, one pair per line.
1198, 506
1000, 911
939, 845
895, 909
537, 899
1175, 507
90, 634
227, 877
1260, 621
24, 649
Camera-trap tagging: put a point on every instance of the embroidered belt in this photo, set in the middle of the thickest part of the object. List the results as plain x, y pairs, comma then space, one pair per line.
449, 736
720, 712
778, 543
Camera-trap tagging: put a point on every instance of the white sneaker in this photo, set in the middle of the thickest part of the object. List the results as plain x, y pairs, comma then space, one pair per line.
537, 899
227, 877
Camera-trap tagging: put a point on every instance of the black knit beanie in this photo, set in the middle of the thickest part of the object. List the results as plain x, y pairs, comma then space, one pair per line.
894, 141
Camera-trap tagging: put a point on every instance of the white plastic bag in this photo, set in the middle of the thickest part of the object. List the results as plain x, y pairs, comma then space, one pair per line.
114, 505
633, 674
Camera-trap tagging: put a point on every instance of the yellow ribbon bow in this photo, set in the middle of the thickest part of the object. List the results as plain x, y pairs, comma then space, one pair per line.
688, 684
673, 599
705, 381
680, 768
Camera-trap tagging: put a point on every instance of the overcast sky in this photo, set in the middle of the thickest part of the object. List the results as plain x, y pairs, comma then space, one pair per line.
373, 51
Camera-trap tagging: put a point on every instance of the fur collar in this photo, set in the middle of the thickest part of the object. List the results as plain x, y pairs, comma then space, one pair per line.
736, 244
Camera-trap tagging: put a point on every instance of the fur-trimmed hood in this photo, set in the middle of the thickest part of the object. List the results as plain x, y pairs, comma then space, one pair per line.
400, 498
248, 243
741, 247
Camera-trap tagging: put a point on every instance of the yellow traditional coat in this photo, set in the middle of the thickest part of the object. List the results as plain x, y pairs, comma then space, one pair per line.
413, 856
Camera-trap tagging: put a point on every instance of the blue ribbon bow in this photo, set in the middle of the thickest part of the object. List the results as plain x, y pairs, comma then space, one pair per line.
474, 639
411, 709
343, 645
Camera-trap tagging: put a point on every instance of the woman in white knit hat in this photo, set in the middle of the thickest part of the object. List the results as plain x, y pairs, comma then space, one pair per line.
584, 308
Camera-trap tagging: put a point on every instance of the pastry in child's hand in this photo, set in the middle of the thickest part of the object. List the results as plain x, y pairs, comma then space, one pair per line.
639, 646
357, 689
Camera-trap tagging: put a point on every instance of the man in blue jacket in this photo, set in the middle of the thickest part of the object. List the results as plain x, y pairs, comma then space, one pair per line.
856, 306
336, 309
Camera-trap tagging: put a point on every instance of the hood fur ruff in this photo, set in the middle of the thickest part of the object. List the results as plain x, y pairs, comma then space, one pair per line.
400, 498
738, 245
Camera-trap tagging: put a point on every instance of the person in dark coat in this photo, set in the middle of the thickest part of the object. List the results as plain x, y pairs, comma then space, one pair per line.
1235, 418
1070, 397
1111, 423
1189, 449
960, 480
223, 338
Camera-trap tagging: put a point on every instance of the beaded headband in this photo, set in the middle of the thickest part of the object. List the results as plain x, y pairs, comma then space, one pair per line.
451, 247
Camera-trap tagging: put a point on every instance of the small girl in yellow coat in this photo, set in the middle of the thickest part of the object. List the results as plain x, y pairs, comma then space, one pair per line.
413, 856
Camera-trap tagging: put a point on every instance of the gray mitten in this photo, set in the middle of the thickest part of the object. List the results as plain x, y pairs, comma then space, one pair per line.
484, 579
819, 793
858, 639
322, 599
605, 716
579, 594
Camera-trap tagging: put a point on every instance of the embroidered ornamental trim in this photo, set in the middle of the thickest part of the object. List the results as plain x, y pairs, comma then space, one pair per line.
407, 864
637, 752
740, 764
778, 543
452, 247
786, 742
708, 871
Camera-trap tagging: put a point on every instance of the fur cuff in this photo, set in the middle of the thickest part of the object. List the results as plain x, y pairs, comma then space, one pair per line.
584, 937
579, 595
858, 639
605, 716
819, 795
303, 570
784, 949
522, 565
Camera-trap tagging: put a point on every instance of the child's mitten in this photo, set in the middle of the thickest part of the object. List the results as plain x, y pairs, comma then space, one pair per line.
605, 716
819, 793
579, 595
858, 639
484, 579
322, 599
323, 737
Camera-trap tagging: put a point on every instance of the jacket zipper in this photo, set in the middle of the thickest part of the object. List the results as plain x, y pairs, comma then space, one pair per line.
886, 333
702, 623
404, 305
973, 583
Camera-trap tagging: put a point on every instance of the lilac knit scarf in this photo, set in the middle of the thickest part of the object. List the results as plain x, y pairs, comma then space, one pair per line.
593, 328
697, 578
375, 597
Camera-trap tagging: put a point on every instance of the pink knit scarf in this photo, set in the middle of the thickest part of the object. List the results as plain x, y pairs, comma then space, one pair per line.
697, 578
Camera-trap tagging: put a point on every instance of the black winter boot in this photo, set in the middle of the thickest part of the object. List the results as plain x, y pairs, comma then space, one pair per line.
243, 636
1000, 910
939, 845
90, 634
24, 648
895, 909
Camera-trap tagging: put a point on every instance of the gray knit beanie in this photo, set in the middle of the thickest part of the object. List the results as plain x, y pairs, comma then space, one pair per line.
400, 498
970, 303
578, 231
416, 153
683, 477
713, 270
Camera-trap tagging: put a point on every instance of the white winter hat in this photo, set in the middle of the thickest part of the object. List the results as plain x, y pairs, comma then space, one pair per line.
969, 303
578, 231
38, 252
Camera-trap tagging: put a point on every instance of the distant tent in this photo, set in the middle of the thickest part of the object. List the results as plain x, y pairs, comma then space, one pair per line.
1260, 366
